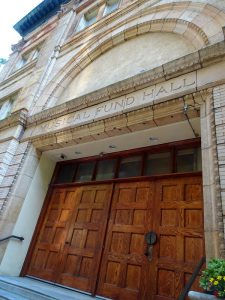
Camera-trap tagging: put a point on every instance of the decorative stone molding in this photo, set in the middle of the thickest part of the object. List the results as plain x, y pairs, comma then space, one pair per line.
19, 46
164, 113
16, 118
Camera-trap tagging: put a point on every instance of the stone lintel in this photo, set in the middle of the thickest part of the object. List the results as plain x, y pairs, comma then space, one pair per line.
152, 116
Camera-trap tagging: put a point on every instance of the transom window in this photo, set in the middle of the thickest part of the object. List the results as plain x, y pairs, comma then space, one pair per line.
148, 162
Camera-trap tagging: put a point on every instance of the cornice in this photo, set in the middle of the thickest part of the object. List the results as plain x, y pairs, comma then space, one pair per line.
17, 118
189, 63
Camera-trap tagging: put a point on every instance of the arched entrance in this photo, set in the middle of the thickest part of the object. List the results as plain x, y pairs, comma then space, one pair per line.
92, 233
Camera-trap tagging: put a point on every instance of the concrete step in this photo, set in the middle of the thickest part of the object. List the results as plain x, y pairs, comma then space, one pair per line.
24, 288
5, 295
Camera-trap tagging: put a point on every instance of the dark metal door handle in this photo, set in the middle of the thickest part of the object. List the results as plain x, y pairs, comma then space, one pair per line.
149, 252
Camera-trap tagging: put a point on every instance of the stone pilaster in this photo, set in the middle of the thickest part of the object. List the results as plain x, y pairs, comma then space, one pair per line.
214, 231
219, 109
21, 171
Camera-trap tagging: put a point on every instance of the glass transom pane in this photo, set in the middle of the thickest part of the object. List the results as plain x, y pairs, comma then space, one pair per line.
66, 173
158, 163
106, 169
85, 171
130, 167
189, 160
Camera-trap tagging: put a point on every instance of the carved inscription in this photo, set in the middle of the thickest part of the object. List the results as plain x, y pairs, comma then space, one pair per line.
166, 90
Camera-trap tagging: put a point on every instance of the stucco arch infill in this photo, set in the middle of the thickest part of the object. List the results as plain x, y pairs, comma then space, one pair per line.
85, 57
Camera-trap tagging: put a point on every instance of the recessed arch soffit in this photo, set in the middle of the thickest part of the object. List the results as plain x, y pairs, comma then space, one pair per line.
200, 23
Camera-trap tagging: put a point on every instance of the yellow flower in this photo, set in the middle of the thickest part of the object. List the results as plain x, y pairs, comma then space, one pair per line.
216, 282
219, 277
211, 279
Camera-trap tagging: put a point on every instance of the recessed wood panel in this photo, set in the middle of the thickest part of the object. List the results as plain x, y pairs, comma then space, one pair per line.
100, 196
47, 234
96, 215
124, 216
78, 237
165, 284
112, 273
139, 217
92, 239
126, 196
69, 198
51, 260
193, 218
119, 243
168, 217
53, 215
142, 195
86, 266
137, 243
167, 246
40, 258
87, 196
59, 236
170, 192
193, 249
82, 215
192, 192
72, 264
64, 215
133, 277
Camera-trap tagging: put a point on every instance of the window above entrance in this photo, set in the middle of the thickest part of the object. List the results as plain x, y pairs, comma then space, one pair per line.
163, 160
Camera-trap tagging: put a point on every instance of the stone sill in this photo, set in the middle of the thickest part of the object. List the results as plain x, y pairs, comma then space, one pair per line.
201, 296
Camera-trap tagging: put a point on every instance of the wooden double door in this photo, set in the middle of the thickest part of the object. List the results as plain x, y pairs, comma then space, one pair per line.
92, 238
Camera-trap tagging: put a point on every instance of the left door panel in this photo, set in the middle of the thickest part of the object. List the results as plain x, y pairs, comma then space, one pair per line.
51, 239
69, 246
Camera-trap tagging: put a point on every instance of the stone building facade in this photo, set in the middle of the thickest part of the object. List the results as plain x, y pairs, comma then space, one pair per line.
92, 81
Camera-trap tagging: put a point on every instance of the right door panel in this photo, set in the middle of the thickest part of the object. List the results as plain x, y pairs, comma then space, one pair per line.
178, 220
125, 269
173, 208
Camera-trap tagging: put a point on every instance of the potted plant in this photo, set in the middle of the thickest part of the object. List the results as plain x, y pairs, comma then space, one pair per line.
212, 279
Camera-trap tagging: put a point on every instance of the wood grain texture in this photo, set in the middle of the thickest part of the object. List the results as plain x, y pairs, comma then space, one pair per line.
92, 237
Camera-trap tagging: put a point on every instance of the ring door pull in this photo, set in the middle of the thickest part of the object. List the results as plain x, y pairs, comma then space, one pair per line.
151, 239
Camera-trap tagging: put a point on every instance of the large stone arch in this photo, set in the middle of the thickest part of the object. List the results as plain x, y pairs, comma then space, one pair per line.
153, 19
